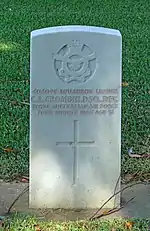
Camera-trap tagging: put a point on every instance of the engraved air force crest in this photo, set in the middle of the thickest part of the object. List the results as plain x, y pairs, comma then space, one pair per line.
75, 63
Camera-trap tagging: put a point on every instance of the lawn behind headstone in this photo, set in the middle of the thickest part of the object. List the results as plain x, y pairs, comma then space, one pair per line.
19, 19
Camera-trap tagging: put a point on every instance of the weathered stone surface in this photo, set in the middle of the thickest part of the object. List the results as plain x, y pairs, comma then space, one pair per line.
75, 125
139, 207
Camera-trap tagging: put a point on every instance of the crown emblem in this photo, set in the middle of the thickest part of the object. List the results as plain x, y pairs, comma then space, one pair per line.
75, 63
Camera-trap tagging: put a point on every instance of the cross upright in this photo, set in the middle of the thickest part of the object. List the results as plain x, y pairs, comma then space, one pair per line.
75, 144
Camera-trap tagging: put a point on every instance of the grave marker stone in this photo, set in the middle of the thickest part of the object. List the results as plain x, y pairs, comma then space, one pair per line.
75, 116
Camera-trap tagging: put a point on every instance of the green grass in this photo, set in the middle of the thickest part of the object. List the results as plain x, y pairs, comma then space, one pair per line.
19, 18
29, 223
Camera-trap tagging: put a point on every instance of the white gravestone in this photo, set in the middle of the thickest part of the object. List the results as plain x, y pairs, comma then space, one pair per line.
75, 117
